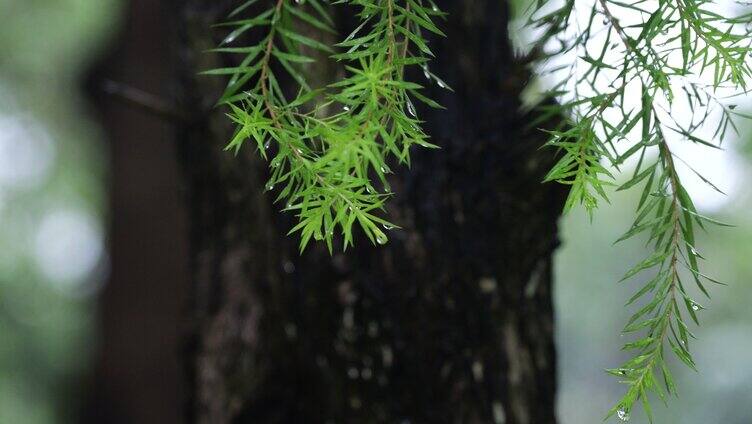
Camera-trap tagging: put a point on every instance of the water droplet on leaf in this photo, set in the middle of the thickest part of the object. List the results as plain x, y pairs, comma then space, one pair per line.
426, 73
411, 108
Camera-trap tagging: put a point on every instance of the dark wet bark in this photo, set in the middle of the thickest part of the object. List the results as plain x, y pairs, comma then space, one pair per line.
450, 322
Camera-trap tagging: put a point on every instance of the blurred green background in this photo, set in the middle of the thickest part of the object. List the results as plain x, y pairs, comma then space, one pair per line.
53, 175
52, 205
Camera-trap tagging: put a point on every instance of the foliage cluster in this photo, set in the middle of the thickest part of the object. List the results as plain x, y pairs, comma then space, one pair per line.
679, 56
329, 148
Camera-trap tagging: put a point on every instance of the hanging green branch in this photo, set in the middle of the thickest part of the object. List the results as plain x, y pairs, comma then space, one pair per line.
659, 47
329, 148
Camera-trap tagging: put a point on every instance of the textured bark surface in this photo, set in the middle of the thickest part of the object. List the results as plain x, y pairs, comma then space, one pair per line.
451, 322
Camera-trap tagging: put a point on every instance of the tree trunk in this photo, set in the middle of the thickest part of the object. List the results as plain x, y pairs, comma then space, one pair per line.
451, 322
137, 375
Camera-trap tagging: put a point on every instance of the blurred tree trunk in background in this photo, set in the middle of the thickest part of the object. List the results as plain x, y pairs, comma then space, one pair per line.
137, 377
451, 322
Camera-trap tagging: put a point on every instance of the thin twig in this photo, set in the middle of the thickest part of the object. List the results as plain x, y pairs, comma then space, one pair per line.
145, 101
